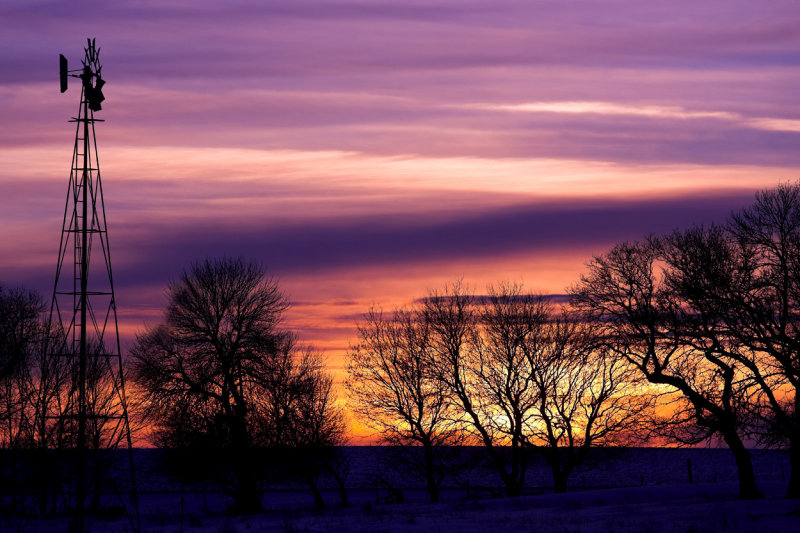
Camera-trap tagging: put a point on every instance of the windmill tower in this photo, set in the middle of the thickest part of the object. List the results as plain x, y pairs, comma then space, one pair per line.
86, 410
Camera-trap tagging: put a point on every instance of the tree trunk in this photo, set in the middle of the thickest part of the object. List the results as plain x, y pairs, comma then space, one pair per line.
510, 484
430, 475
510, 480
340, 483
343, 495
99, 472
247, 497
793, 492
40, 481
14, 482
319, 503
744, 466
512, 489
515, 479
559, 479
561, 465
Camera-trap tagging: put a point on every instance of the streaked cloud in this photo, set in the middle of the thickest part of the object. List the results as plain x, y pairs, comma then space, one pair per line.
633, 110
606, 108
775, 124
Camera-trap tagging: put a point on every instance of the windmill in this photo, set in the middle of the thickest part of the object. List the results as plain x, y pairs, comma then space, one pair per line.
86, 409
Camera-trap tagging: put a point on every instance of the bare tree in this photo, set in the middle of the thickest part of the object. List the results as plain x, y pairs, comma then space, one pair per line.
481, 348
741, 285
30, 396
394, 391
473, 374
316, 432
586, 397
763, 309
220, 373
524, 378
510, 328
37, 384
647, 325
21, 332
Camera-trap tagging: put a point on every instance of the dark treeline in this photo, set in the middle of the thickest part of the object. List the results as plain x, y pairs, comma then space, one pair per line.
677, 339
713, 315
683, 338
221, 375
220, 382
509, 372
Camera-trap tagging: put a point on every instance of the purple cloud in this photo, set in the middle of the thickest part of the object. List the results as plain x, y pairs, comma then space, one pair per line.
388, 79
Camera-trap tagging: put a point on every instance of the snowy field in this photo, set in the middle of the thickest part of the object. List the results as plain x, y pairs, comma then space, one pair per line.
694, 508
637, 490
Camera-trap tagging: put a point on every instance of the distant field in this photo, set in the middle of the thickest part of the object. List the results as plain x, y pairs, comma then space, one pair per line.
386, 468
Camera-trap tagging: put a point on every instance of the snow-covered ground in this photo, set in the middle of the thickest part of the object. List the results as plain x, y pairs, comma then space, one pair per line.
704, 507
628, 491
676, 508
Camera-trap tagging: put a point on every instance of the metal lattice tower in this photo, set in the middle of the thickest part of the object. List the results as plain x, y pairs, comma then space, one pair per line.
86, 411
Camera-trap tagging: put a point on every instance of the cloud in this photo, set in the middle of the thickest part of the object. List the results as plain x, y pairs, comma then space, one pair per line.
634, 110
483, 299
775, 124
606, 108
151, 253
337, 244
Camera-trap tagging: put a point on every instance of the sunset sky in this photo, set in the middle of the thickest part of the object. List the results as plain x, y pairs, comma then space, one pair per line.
368, 151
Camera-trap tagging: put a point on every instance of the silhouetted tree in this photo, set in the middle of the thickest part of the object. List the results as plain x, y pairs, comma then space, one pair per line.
646, 323
221, 374
492, 397
523, 377
316, 432
741, 286
38, 384
30, 395
21, 333
768, 313
585, 397
394, 391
